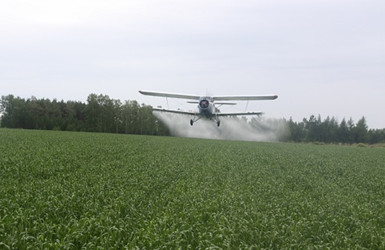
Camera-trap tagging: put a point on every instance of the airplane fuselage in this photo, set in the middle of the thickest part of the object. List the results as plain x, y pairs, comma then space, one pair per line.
206, 107
207, 110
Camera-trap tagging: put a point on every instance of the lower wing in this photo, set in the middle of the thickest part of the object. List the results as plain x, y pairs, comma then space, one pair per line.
175, 111
237, 114
197, 114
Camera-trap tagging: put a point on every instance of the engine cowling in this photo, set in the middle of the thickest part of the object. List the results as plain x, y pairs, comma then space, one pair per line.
204, 104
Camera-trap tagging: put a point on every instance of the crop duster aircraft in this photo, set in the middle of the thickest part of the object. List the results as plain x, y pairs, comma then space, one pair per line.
207, 105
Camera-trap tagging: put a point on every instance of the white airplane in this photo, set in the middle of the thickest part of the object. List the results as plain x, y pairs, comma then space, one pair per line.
206, 105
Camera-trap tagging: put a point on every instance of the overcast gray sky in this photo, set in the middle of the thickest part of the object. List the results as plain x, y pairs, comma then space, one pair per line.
322, 57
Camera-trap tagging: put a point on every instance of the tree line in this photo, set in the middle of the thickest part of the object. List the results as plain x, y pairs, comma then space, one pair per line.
330, 130
99, 114
103, 114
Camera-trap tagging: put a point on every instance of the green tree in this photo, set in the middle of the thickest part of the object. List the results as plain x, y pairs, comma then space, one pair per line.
343, 132
297, 131
92, 113
360, 131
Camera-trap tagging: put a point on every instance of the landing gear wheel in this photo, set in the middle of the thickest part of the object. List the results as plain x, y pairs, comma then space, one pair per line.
218, 123
191, 122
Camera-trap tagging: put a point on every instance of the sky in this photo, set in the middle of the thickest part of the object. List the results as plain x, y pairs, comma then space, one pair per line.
323, 57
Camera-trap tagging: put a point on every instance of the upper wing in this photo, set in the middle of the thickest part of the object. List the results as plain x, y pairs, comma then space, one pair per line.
175, 111
245, 98
236, 114
171, 95
215, 98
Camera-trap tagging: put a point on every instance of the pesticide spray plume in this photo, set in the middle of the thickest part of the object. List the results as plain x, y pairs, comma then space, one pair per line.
232, 128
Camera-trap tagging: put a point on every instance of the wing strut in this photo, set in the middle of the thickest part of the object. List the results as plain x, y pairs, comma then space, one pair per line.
247, 105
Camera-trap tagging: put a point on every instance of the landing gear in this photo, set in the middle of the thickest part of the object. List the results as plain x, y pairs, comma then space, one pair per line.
217, 120
195, 119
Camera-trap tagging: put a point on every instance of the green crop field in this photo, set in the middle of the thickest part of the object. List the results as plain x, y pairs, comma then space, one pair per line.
87, 190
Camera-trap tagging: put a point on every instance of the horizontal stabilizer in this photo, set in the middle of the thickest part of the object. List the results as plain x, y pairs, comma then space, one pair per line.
225, 103
245, 98
217, 103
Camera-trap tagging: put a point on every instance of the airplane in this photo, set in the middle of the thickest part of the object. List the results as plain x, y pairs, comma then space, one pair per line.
206, 105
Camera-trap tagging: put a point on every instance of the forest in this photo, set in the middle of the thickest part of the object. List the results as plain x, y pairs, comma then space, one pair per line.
103, 114
99, 114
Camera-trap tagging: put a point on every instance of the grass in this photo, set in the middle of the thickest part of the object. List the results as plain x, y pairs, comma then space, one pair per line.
85, 190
